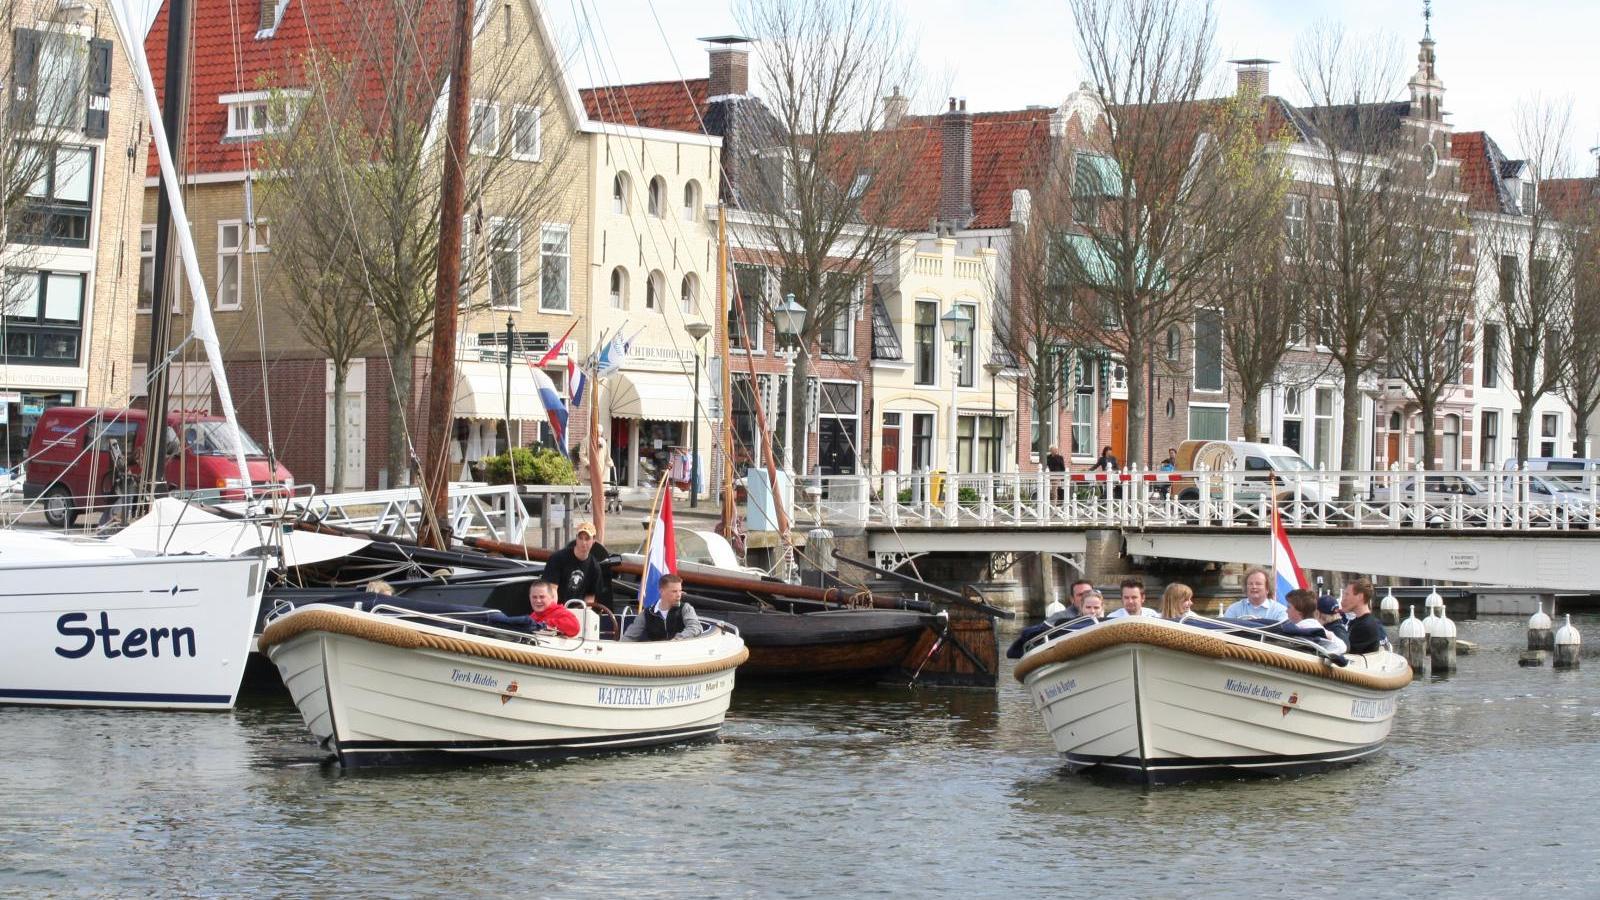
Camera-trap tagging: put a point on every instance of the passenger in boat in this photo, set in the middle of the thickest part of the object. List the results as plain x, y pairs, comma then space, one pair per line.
1366, 632
1080, 589
1133, 601
1302, 621
575, 569
379, 586
1332, 617
1257, 603
548, 611
671, 620
1176, 601
1094, 604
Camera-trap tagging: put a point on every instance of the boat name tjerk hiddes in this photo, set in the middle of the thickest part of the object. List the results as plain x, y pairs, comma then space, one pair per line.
1251, 689
135, 643
478, 678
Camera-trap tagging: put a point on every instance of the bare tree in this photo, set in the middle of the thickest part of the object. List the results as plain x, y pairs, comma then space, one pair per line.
1260, 302
823, 169
360, 171
1532, 258
1580, 379
1354, 264
1158, 193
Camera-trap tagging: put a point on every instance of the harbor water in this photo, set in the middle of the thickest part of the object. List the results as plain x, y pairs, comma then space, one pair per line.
1486, 789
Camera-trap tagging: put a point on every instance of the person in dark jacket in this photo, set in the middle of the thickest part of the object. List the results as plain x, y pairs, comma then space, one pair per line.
1055, 463
671, 620
575, 569
1332, 617
1107, 461
1366, 632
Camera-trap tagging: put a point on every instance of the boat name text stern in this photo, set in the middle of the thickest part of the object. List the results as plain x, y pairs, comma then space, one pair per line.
135, 643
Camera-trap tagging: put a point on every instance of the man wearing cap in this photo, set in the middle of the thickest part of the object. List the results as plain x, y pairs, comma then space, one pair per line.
1302, 621
575, 571
1332, 617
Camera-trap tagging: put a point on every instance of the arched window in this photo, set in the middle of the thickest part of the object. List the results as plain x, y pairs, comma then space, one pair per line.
691, 291
619, 194
654, 290
658, 197
619, 288
1172, 343
691, 201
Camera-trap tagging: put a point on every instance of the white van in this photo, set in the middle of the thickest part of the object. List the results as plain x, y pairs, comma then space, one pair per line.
1267, 466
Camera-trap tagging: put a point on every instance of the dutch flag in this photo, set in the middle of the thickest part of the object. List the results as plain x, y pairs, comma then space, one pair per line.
553, 407
1285, 568
576, 382
661, 557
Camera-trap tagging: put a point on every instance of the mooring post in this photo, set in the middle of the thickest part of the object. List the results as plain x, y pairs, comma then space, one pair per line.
1442, 645
1389, 609
1539, 636
1414, 644
1567, 645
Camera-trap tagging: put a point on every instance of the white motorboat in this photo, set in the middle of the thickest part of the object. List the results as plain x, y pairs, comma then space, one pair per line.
389, 686
1161, 701
84, 623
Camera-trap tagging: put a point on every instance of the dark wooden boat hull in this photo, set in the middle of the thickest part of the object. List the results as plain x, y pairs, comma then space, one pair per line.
861, 644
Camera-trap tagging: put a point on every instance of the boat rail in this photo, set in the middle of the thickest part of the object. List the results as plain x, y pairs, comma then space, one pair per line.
1258, 633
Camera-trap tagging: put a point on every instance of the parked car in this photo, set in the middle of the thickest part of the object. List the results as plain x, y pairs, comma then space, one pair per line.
1441, 490
1266, 467
70, 458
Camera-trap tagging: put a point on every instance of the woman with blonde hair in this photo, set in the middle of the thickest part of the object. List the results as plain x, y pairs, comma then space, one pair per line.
1176, 601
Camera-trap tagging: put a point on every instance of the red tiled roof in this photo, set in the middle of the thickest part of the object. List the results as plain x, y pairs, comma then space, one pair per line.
227, 58
1571, 198
1471, 148
1007, 147
668, 105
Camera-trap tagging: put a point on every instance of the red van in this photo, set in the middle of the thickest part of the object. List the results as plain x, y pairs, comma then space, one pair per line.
70, 458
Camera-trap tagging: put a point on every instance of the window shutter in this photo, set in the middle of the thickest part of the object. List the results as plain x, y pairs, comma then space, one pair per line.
24, 67
98, 116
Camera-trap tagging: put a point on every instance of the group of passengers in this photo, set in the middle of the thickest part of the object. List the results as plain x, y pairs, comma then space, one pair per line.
574, 573
1338, 625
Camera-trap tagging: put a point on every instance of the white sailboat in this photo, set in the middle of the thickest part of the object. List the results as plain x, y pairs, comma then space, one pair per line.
88, 623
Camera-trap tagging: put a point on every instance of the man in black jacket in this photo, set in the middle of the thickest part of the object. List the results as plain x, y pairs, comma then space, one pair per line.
671, 620
575, 569
1366, 632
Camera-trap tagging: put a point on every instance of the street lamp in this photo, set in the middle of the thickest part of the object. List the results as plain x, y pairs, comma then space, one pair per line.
511, 334
697, 330
957, 325
993, 370
788, 319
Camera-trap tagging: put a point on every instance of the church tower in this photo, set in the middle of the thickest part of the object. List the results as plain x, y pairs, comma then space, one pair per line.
1427, 91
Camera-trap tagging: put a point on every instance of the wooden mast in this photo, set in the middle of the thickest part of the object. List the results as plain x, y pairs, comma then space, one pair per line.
597, 486
435, 530
726, 527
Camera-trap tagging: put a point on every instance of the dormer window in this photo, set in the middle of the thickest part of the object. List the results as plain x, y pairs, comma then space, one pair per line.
256, 114
1530, 197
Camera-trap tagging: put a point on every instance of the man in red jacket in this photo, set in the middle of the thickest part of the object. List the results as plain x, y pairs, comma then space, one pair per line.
548, 612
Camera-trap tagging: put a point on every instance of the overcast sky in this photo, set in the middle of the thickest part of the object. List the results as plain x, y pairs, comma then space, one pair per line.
1006, 54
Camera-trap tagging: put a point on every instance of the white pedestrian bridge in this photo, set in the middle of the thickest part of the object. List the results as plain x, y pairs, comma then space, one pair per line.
1521, 529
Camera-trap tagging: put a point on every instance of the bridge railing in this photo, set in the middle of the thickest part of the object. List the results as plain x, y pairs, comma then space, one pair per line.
1392, 498
495, 511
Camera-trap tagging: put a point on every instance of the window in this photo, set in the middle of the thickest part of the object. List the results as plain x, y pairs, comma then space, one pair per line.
976, 438
1208, 423
1294, 223
655, 288
921, 442
1530, 197
1174, 340
260, 236
968, 374
1540, 281
147, 268
619, 193
1489, 439
926, 338
259, 113
835, 338
1452, 350
485, 127
690, 295
57, 206
1491, 355
555, 264
744, 317
1323, 431
1549, 430
230, 238
526, 138
1327, 227
777, 180
658, 197
1094, 178
43, 317
464, 288
1451, 443
746, 439
691, 201
1509, 272
1208, 350
619, 288
505, 263
61, 76
1082, 422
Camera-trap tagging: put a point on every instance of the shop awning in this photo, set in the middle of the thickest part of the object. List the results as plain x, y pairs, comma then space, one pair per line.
481, 392
657, 396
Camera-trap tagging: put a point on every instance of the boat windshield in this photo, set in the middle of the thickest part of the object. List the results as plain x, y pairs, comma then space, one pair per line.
1289, 464
216, 439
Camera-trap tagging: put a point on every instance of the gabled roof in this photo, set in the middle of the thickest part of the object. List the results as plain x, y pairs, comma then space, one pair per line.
667, 105
1485, 173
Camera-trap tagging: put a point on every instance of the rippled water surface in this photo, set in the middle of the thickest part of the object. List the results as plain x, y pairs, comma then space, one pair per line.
1488, 788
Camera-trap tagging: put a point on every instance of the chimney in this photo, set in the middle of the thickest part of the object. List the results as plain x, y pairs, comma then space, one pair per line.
730, 66
1254, 78
955, 165
894, 108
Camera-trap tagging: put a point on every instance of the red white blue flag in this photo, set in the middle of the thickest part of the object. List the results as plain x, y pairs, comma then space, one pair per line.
661, 557
550, 398
1285, 568
576, 382
554, 352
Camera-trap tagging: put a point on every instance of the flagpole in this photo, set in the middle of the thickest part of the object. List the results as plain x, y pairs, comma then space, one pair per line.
649, 542
726, 374
597, 488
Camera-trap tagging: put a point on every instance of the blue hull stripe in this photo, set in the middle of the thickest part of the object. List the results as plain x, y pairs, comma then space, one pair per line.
122, 696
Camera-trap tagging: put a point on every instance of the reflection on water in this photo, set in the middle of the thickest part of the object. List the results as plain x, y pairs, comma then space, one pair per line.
1483, 791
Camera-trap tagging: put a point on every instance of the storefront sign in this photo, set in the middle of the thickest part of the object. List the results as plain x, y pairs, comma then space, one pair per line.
29, 410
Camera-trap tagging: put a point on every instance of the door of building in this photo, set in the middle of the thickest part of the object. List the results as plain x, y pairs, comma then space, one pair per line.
1119, 430
836, 446
1393, 454
890, 452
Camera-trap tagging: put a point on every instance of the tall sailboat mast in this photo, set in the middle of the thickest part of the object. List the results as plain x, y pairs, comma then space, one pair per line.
728, 511
435, 530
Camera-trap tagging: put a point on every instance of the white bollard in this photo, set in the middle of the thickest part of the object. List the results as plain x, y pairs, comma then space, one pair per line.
1434, 601
1054, 607
1429, 621
1413, 643
1539, 636
1442, 645
1389, 609
1567, 645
